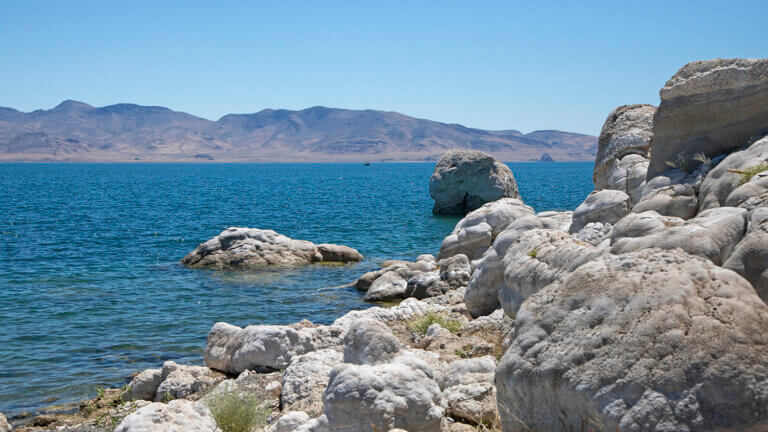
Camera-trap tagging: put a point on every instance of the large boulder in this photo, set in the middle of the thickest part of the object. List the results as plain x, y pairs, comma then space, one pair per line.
466, 179
710, 107
622, 150
712, 234
367, 398
182, 381
254, 248
232, 349
176, 416
647, 341
474, 234
750, 257
604, 206
305, 379
369, 341
722, 180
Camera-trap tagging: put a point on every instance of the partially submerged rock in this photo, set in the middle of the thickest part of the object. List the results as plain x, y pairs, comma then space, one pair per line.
475, 233
176, 416
466, 179
647, 341
255, 248
710, 107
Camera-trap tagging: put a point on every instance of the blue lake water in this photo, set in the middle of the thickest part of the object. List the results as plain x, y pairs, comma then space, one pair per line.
90, 285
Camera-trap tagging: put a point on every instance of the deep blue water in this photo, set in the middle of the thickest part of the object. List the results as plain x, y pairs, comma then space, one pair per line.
90, 285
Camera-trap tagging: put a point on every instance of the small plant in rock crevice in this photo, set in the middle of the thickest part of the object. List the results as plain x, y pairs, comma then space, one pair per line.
421, 324
681, 163
746, 174
235, 411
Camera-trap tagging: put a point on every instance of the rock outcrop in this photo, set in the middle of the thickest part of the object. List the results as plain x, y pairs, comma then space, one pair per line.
712, 234
710, 107
647, 341
724, 179
623, 150
176, 416
474, 234
255, 248
464, 180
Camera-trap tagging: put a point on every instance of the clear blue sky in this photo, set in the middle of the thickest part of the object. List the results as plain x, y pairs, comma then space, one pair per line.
495, 65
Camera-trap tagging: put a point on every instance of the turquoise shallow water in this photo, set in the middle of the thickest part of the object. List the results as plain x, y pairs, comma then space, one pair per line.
90, 285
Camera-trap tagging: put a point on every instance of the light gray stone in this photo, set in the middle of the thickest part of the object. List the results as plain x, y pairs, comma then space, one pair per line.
475, 233
232, 349
290, 421
254, 248
646, 341
401, 394
305, 379
4, 425
176, 416
594, 233
712, 235
673, 193
711, 107
369, 341
466, 179
144, 385
604, 206
750, 256
453, 273
468, 389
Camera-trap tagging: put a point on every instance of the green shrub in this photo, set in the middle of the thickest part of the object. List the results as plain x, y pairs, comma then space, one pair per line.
421, 324
237, 412
746, 174
701, 157
533, 253
680, 163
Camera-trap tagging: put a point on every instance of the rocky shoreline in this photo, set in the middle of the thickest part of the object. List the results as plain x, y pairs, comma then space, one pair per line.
642, 310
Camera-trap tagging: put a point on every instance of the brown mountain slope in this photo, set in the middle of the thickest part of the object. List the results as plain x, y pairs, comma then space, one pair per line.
74, 131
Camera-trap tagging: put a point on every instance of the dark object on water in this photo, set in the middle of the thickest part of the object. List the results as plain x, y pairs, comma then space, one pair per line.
367, 164
546, 158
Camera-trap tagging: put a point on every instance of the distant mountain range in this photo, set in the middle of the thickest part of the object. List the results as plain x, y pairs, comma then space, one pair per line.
75, 131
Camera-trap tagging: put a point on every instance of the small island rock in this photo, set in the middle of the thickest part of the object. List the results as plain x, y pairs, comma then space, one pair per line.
464, 180
254, 248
